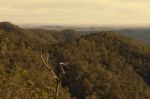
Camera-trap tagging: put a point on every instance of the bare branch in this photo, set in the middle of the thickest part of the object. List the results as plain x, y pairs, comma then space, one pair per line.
48, 67
58, 77
57, 90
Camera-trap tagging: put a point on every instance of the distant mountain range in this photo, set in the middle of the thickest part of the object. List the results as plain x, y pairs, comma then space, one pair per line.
139, 33
142, 34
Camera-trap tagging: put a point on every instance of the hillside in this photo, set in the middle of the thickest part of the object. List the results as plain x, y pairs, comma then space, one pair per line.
7, 26
21, 70
103, 65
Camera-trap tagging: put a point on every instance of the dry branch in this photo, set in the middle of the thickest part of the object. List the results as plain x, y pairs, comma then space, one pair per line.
53, 73
48, 67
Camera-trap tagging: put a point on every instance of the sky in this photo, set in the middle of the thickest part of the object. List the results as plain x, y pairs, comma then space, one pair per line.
75, 12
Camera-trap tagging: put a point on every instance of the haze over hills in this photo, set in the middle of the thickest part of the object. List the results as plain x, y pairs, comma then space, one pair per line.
141, 33
102, 65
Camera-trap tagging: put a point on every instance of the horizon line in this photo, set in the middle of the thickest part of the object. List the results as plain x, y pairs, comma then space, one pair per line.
81, 24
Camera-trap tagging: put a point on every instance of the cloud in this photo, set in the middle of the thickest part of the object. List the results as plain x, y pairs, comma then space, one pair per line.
76, 11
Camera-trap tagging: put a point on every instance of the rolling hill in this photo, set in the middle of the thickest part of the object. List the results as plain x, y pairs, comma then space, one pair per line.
103, 65
140, 33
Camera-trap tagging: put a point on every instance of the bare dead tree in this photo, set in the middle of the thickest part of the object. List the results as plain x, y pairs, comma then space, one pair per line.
46, 64
57, 77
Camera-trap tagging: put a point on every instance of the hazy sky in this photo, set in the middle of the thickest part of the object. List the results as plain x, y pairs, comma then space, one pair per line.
132, 12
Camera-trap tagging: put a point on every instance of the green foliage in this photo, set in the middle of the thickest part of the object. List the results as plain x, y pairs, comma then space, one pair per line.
105, 65
22, 74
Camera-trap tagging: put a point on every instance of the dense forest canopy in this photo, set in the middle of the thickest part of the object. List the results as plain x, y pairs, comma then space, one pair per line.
103, 65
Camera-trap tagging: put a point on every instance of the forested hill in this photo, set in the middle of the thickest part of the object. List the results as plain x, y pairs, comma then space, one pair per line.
103, 65
22, 74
